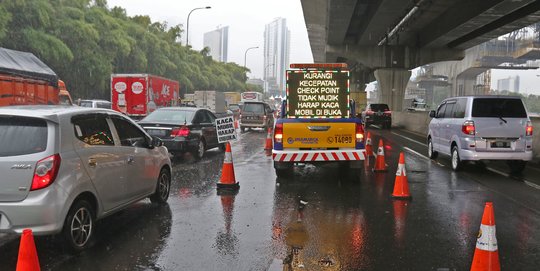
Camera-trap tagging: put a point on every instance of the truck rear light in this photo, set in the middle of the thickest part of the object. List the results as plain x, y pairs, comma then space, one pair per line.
359, 133
278, 133
468, 127
180, 131
45, 172
529, 129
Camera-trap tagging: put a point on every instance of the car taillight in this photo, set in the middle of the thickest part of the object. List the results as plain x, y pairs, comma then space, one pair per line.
529, 129
387, 112
369, 112
468, 127
45, 172
180, 131
359, 133
278, 133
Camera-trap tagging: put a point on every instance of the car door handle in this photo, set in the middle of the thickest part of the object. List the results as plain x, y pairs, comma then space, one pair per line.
447, 125
92, 162
130, 160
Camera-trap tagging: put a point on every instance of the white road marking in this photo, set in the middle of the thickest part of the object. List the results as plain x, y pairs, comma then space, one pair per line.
417, 153
410, 139
533, 185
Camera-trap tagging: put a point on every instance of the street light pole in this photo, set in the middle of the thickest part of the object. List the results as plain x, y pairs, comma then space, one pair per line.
187, 25
245, 54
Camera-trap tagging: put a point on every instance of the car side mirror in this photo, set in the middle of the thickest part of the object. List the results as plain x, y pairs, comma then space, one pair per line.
156, 142
432, 113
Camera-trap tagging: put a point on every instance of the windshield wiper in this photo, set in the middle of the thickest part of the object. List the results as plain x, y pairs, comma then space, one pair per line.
500, 117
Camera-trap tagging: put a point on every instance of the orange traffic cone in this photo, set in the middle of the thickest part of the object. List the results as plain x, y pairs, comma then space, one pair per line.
380, 165
268, 145
28, 259
486, 254
401, 186
228, 181
369, 149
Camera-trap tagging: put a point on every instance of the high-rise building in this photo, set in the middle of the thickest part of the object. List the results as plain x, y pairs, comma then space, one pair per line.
510, 84
218, 42
276, 55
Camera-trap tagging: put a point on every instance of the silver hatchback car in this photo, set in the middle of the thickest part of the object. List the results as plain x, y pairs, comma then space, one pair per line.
63, 168
477, 128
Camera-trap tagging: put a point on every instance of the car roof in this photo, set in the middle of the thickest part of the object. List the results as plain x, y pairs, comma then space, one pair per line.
486, 96
181, 108
49, 112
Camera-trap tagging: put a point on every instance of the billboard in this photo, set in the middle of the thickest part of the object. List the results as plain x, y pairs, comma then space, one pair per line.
318, 94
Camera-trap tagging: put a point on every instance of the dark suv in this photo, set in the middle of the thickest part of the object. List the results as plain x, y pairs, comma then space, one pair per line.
256, 115
377, 114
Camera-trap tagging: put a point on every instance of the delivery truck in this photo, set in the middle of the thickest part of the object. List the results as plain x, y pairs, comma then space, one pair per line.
26, 80
137, 95
211, 100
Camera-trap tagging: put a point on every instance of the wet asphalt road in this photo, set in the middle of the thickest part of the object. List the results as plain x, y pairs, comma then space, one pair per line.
347, 223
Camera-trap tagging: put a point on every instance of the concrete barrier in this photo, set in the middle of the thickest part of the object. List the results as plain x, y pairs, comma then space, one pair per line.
418, 122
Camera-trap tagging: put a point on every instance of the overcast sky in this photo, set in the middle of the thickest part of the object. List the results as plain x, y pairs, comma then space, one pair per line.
246, 20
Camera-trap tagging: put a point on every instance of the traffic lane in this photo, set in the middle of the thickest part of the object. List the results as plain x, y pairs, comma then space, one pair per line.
516, 204
530, 176
212, 232
357, 226
492, 174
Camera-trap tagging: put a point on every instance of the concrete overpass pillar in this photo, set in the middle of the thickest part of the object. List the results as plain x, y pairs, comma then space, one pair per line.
392, 84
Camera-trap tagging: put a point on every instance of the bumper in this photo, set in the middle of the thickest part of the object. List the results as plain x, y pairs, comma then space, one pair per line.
376, 120
318, 155
41, 211
180, 145
475, 155
252, 125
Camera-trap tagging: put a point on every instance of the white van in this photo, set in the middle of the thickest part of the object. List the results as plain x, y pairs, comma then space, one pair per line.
476, 128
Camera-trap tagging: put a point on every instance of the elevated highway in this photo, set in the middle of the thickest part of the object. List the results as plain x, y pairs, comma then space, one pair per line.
384, 39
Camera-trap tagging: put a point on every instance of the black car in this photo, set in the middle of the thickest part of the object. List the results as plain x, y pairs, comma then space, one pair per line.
183, 129
377, 114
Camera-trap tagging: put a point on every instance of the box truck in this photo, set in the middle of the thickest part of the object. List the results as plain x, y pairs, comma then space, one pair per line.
25, 80
211, 99
137, 95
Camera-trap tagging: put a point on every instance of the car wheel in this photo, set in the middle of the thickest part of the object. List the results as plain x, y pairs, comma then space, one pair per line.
516, 166
242, 129
431, 154
163, 187
78, 228
201, 148
456, 161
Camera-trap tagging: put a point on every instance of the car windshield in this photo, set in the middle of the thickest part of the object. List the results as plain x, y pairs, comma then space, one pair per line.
169, 116
254, 108
379, 107
498, 108
21, 135
234, 107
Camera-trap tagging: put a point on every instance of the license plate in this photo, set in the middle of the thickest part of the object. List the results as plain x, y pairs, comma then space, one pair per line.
500, 144
156, 132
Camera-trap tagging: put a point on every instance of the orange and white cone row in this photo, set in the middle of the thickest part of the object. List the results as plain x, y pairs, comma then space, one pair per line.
486, 254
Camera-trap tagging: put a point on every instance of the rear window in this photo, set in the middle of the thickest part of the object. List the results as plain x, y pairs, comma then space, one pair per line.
498, 107
22, 135
169, 116
379, 107
254, 108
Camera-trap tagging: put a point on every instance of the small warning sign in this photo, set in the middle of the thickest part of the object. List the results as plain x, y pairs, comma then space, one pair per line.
225, 129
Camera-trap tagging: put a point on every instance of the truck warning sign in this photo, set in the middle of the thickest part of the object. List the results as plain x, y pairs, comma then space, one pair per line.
318, 94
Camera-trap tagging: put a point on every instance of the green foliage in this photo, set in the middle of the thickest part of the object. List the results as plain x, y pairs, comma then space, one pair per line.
84, 41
